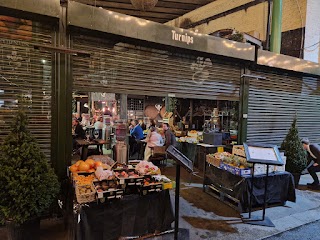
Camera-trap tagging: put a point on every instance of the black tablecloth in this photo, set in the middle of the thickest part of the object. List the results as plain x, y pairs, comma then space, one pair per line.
280, 186
133, 215
188, 149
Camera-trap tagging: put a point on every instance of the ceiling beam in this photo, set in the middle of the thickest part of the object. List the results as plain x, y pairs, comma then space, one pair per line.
207, 11
126, 6
99, 3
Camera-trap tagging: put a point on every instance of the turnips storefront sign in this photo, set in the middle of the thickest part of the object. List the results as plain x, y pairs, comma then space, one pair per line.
182, 37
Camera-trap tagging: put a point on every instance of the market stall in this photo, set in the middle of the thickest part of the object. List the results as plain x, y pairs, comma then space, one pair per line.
115, 200
228, 177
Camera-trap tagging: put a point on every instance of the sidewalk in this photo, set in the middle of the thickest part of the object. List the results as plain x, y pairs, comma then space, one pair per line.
207, 218
224, 223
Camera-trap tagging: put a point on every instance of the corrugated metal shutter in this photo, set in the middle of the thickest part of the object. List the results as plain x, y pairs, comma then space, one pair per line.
123, 68
273, 102
25, 71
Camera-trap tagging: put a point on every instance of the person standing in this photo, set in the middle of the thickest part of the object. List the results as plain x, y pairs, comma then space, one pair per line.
153, 139
170, 138
136, 133
98, 126
313, 151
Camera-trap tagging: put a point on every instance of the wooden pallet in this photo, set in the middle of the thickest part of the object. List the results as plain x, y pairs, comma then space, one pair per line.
223, 197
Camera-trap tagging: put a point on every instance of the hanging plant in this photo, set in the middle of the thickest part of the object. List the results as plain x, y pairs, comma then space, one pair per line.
236, 36
173, 102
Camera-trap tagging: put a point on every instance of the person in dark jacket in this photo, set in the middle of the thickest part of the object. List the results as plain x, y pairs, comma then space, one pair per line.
170, 138
78, 130
313, 151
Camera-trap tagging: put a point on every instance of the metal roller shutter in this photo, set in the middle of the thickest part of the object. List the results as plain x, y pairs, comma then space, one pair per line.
123, 68
28, 72
273, 102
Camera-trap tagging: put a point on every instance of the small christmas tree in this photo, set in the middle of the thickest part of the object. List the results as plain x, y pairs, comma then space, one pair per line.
28, 185
296, 156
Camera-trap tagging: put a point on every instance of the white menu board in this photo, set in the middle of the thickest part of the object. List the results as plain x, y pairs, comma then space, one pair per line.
263, 154
266, 154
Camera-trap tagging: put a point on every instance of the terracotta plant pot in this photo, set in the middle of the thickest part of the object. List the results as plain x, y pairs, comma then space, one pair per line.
27, 231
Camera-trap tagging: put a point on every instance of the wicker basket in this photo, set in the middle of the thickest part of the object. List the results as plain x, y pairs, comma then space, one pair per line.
213, 161
85, 197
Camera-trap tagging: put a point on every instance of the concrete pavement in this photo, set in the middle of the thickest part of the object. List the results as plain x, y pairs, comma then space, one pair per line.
292, 215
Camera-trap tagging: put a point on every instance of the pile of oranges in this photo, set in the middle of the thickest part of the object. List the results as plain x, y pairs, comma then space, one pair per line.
84, 180
85, 166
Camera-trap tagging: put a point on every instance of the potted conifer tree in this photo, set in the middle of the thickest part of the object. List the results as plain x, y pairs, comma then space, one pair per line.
296, 156
28, 184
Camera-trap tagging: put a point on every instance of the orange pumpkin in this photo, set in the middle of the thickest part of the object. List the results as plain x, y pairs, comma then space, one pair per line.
98, 164
79, 162
90, 162
73, 168
84, 167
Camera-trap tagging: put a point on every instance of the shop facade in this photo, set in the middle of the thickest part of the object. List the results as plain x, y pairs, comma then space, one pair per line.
79, 48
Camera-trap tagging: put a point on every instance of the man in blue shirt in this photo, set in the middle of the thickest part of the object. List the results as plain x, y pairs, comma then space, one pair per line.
136, 133
136, 130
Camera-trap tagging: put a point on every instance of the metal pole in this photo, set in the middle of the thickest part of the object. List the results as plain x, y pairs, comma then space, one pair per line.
176, 203
251, 191
265, 194
276, 26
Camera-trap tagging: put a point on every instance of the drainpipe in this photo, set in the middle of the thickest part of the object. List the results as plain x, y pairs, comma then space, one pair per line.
276, 27
268, 26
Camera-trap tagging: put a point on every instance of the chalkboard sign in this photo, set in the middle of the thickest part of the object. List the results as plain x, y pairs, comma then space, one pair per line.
180, 158
263, 154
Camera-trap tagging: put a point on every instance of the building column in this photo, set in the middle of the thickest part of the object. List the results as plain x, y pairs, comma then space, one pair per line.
312, 31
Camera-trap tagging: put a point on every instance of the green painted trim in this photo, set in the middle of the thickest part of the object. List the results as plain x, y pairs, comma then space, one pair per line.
63, 100
276, 27
243, 108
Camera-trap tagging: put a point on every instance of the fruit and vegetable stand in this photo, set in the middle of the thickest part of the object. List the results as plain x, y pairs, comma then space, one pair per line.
133, 215
228, 177
119, 200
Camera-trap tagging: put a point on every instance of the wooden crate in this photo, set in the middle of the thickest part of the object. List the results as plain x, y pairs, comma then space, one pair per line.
85, 197
238, 150
213, 161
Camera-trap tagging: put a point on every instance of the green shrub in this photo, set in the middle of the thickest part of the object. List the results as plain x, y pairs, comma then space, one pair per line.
296, 156
28, 184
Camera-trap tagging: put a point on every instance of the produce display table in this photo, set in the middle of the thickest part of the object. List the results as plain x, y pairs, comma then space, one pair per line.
134, 215
235, 190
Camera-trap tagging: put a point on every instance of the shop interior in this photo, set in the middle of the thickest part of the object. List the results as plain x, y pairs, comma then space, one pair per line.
191, 120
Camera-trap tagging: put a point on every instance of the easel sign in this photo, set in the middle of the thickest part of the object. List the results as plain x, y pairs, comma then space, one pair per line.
181, 159
263, 154
186, 163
